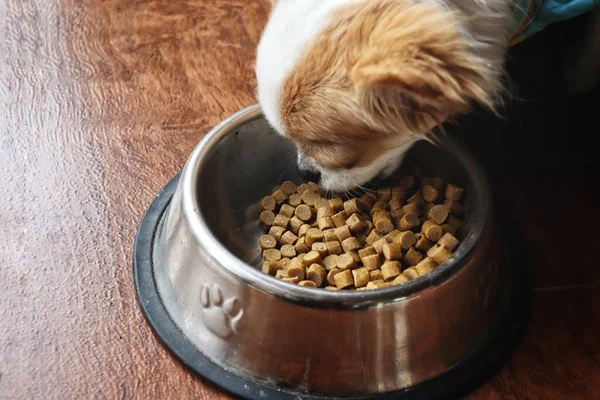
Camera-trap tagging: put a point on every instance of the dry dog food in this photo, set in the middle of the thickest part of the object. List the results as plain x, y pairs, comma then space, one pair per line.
383, 238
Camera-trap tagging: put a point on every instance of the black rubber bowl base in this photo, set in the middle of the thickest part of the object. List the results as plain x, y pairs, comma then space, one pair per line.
452, 384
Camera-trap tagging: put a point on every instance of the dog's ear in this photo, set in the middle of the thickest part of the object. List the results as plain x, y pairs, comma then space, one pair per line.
417, 65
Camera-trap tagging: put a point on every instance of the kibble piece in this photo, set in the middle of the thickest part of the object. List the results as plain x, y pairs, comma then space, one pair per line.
293, 279
426, 180
325, 223
440, 255
331, 288
343, 233
438, 183
361, 277
378, 245
320, 203
281, 220
376, 284
312, 257
267, 203
331, 275
324, 212
447, 228
432, 230
346, 261
379, 206
350, 244
383, 222
267, 242
448, 241
316, 273
276, 232
302, 187
367, 201
313, 235
270, 267
406, 239
373, 236
390, 270
453, 206
410, 273
266, 219
279, 196
288, 187
336, 204
453, 192
399, 213
408, 222
438, 214
432, 249
301, 246
309, 197
367, 251
392, 251
321, 248
395, 204
375, 275
294, 200
316, 188
371, 262
286, 210
334, 248
288, 238
412, 257
392, 234
330, 235
295, 271
412, 208
281, 274
384, 194
355, 223
422, 244
429, 193
287, 250
344, 279
399, 279
310, 284
304, 212
352, 206
272, 255
425, 266
295, 224
416, 199
284, 262
330, 262
339, 219
303, 229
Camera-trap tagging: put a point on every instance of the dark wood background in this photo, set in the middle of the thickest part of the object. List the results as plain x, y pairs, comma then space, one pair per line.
101, 102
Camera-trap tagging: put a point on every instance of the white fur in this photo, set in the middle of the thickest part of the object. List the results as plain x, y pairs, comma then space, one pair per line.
343, 179
291, 28
295, 24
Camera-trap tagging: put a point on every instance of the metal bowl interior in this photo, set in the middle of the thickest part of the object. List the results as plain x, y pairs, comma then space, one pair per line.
243, 159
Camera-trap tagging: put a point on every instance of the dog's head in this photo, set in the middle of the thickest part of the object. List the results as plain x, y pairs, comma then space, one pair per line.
354, 83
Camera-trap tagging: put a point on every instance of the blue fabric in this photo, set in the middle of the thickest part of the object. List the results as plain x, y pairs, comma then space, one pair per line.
552, 11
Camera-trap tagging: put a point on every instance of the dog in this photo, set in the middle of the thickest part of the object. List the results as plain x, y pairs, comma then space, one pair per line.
355, 83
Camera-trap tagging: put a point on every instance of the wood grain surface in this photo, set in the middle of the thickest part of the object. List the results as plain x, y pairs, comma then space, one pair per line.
101, 102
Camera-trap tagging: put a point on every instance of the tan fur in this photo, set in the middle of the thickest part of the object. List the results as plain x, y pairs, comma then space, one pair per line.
382, 74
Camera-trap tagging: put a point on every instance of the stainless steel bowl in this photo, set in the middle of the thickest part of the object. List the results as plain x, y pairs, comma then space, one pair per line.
317, 341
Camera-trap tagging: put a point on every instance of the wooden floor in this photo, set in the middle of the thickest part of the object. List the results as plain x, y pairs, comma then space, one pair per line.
101, 102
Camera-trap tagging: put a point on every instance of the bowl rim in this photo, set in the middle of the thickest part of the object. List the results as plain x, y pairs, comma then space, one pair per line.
318, 298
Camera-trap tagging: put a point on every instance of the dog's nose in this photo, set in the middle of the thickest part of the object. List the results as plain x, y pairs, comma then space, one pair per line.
309, 174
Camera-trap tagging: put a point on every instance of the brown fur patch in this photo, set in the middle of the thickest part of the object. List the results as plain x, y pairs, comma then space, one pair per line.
382, 73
